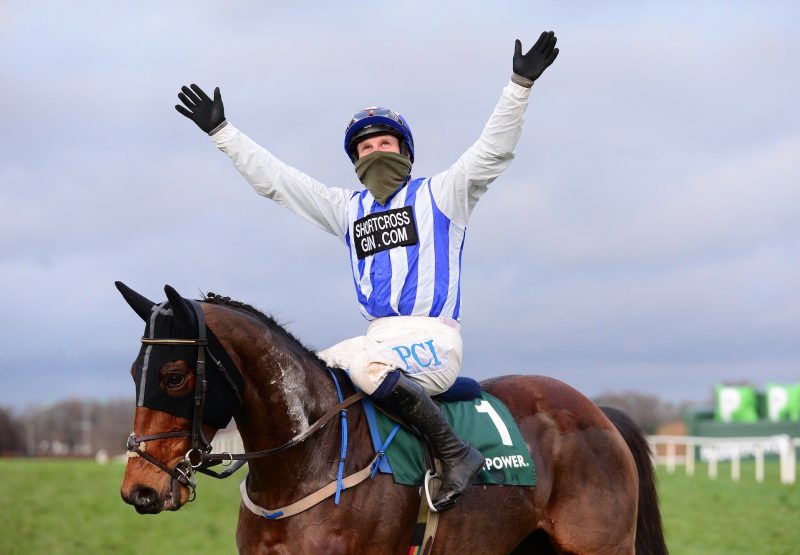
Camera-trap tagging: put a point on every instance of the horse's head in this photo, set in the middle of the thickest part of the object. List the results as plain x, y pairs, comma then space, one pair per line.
180, 401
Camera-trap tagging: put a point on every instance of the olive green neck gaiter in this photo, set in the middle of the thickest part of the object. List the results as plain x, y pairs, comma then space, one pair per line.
382, 173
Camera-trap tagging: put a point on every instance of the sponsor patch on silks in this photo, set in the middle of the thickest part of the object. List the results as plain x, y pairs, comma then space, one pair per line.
385, 230
484, 422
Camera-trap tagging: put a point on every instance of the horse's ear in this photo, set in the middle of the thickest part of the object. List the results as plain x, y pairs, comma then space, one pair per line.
140, 305
182, 310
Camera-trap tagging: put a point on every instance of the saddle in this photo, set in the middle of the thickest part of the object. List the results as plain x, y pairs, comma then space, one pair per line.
477, 417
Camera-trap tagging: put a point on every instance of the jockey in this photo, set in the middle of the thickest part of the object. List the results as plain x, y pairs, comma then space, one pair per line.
405, 236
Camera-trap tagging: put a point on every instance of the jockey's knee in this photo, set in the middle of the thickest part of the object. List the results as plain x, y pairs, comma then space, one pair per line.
376, 371
369, 375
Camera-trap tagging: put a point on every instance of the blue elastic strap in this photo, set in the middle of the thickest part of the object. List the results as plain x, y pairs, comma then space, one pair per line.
343, 455
272, 516
369, 410
382, 451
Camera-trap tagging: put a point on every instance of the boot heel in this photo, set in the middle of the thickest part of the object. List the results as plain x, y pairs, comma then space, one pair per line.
458, 477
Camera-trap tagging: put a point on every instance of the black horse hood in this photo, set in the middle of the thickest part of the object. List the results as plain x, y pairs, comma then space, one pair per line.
177, 319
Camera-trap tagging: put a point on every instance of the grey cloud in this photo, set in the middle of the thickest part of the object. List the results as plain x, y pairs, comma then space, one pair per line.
645, 236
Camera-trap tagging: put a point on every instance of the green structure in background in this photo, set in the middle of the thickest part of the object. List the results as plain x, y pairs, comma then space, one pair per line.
735, 404
783, 402
742, 411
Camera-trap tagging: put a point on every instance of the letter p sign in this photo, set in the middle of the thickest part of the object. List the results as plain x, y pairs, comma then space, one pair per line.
777, 402
729, 402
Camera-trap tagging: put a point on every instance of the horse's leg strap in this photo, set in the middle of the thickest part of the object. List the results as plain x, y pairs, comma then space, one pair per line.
310, 500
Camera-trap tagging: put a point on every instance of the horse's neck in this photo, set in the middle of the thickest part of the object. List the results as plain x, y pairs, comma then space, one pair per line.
287, 390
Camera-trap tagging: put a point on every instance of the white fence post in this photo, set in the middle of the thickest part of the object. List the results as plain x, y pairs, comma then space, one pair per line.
787, 460
736, 467
671, 457
759, 464
689, 459
789, 471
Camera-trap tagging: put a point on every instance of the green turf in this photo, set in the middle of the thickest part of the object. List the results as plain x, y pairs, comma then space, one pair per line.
69, 507
722, 517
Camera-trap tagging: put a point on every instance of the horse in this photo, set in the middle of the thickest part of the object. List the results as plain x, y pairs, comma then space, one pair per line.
594, 494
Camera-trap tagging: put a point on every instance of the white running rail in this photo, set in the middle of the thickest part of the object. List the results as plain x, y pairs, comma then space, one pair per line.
672, 451
227, 441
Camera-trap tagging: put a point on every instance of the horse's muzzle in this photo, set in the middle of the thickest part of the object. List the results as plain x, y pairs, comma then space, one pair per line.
147, 501
144, 500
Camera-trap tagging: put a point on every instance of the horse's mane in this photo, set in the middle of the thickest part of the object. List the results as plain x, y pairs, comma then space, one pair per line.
213, 298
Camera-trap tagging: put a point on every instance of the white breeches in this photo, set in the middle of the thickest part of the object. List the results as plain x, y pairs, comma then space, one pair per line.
427, 350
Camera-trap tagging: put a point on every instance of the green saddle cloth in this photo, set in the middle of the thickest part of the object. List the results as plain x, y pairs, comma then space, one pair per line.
484, 422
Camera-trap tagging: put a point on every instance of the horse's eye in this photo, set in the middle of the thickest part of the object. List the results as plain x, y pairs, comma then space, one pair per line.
175, 381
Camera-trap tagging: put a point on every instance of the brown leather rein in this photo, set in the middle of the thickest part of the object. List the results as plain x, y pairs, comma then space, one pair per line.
200, 457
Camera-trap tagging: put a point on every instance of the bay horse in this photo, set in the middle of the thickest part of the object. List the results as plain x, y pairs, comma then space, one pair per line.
594, 494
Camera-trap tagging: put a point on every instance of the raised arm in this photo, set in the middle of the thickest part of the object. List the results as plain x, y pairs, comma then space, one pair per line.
458, 188
325, 207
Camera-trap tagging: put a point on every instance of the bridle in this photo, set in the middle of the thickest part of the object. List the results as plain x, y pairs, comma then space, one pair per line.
199, 457
183, 472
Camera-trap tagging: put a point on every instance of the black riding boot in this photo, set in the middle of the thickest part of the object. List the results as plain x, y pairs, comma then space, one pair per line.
461, 462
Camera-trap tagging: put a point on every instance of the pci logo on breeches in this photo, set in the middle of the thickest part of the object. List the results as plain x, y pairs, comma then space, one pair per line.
418, 356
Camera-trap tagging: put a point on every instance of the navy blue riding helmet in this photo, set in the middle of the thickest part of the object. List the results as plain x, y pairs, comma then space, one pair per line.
377, 121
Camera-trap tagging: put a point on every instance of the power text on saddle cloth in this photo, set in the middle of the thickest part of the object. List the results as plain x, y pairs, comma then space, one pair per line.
484, 422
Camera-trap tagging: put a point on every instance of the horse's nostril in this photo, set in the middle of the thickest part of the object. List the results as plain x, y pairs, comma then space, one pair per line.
144, 497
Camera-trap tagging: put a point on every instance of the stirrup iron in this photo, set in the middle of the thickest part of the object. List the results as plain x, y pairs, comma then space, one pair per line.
428, 477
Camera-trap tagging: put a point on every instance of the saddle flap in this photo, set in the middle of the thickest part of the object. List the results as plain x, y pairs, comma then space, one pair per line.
485, 423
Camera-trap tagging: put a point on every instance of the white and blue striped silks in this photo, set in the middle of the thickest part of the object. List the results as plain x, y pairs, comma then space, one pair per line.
419, 275
423, 279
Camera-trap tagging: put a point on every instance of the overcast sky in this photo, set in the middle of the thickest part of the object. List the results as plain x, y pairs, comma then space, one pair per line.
646, 237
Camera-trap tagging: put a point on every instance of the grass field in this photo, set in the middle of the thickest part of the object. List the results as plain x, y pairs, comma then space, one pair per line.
722, 517
74, 507
70, 507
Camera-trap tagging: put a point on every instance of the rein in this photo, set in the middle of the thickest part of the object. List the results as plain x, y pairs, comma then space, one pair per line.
199, 457
299, 438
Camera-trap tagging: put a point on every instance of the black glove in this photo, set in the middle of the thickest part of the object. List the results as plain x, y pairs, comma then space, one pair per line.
539, 57
206, 113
